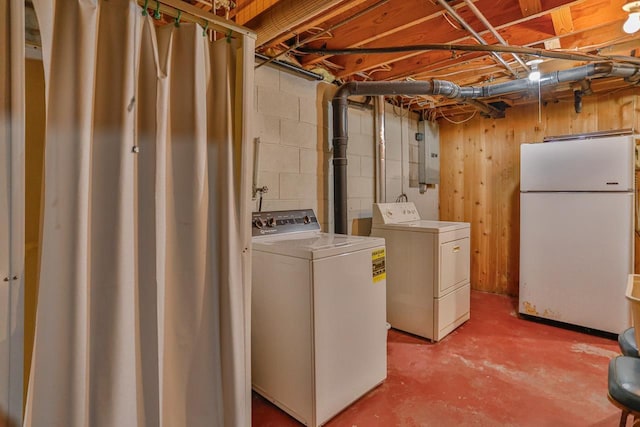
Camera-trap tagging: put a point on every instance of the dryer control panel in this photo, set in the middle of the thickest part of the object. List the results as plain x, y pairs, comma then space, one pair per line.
282, 222
394, 213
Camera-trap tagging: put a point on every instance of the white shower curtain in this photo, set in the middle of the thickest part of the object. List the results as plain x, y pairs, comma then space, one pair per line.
11, 210
143, 282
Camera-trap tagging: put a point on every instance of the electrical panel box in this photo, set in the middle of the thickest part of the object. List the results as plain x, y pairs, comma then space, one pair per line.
429, 154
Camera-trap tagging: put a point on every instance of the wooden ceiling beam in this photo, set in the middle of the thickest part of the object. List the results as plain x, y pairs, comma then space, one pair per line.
387, 20
440, 30
592, 39
593, 36
250, 9
285, 15
390, 24
586, 17
217, 23
447, 68
562, 21
348, 6
530, 7
205, 5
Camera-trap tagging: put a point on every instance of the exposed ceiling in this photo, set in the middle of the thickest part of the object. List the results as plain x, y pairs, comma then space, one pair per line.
558, 26
542, 28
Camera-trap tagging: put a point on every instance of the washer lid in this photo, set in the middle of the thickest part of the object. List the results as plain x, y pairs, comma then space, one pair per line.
315, 245
423, 225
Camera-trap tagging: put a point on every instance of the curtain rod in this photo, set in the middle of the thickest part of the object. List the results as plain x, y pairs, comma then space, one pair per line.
191, 13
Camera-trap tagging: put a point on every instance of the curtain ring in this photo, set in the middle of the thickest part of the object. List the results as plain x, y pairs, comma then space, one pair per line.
177, 23
204, 30
144, 8
156, 15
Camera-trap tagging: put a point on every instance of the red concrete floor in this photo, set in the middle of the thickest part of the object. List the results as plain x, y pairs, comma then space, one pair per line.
495, 370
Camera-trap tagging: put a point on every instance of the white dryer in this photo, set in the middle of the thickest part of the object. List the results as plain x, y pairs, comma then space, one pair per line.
318, 315
428, 292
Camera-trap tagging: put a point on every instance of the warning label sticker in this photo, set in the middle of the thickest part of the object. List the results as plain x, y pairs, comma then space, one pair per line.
378, 265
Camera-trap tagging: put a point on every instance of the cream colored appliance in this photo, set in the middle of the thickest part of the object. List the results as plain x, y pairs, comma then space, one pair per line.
318, 315
428, 292
577, 231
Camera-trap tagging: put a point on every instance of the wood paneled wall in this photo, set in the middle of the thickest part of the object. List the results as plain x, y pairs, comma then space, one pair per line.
480, 174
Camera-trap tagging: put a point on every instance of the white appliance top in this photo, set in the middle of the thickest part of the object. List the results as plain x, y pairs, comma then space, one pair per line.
314, 245
405, 216
423, 225
297, 233
599, 164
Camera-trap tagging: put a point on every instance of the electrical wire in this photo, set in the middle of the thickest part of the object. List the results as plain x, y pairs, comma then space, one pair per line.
458, 122
402, 129
542, 53
383, 67
445, 15
325, 31
315, 30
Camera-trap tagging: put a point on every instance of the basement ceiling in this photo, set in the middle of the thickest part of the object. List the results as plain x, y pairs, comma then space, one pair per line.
585, 27
580, 32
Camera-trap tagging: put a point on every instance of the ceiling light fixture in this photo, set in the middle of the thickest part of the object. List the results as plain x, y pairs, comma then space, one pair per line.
632, 24
534, 75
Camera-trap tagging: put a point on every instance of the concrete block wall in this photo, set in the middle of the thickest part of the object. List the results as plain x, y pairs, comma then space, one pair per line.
402, 161
400, 129
293, 154
291, 120
360, 170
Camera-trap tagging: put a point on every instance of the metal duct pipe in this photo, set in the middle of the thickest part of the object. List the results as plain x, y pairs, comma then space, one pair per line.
603, 69
472, 7
381, 171
285, 15
339, 105
437, 87
475, 35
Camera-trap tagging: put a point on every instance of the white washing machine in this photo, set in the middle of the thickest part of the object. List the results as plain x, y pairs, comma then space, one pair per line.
318, 315
428, 292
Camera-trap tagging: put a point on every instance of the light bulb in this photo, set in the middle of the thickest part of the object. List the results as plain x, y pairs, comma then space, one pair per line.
632, 24
534, 76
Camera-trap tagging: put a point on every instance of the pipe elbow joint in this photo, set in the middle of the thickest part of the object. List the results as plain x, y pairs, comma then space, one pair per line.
445, 88
345, 90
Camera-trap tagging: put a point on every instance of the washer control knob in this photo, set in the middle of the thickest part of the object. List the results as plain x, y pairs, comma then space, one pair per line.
259, 223
271, 222
306, 219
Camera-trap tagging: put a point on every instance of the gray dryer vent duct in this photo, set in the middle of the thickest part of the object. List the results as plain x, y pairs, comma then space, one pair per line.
443, 88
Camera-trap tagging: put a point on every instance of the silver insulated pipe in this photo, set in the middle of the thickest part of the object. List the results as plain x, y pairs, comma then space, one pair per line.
443, 88
381, 170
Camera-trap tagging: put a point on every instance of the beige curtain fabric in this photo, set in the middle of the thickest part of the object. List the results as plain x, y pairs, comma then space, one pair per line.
11, 210
141, 318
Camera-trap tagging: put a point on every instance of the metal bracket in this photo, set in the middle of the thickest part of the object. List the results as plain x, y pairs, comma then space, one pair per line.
261, 190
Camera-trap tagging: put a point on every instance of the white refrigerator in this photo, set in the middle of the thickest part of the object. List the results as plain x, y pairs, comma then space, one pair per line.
576, 231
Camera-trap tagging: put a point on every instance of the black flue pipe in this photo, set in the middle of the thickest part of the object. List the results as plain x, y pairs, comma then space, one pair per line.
341, 135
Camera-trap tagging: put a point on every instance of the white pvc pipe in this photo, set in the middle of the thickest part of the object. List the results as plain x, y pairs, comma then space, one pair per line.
380, 151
